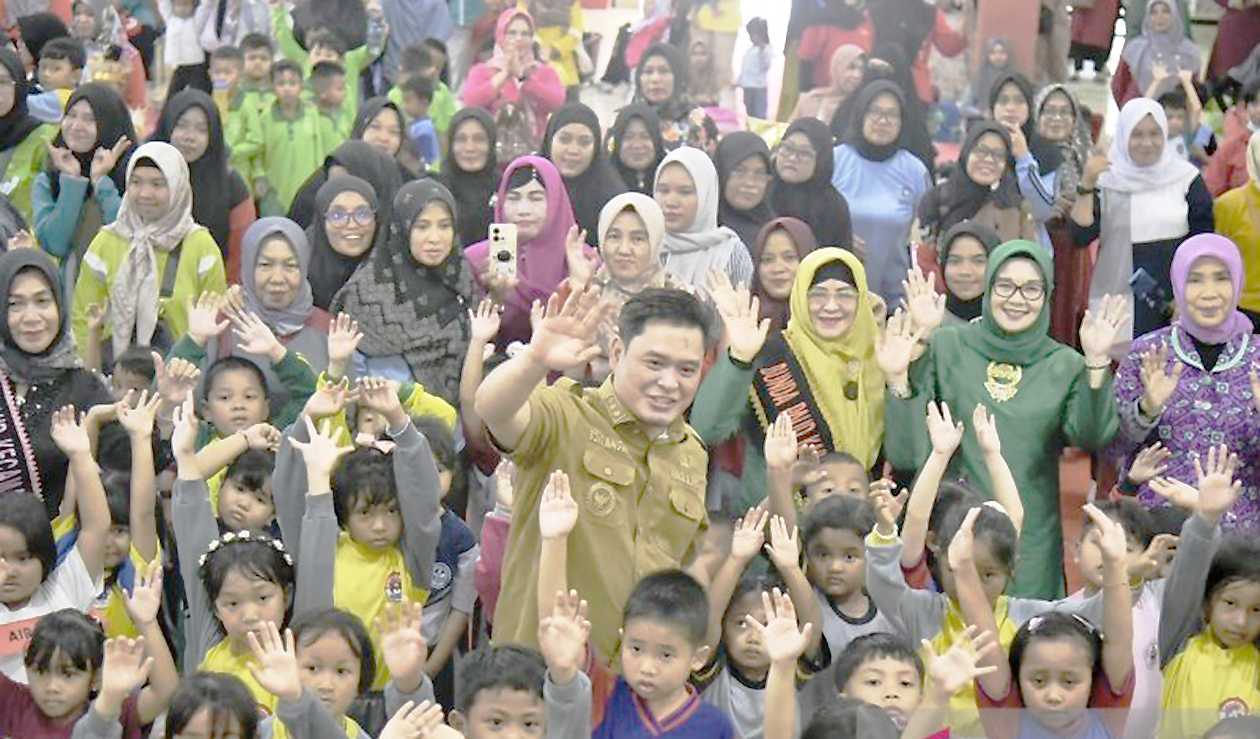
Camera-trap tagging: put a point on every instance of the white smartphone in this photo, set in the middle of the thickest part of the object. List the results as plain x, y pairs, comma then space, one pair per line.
503, 250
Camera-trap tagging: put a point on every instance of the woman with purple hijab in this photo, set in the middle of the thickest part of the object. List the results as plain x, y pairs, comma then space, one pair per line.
1189, 386
532, 196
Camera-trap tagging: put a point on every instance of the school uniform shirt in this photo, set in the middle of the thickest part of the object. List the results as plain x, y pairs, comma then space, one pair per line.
110, 607
21, 718
1108, 708
1207, 682
353, 61
441, 109
220, 658
287, 150
68, 586
451, 582
839, 629
25, 163
742, 699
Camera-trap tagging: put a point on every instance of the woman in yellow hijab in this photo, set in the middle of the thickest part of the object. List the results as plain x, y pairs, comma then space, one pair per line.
1237, 216
820, 370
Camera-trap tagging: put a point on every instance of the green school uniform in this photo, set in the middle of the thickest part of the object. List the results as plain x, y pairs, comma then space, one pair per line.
355, 61
287, 151
441, 109
25, 162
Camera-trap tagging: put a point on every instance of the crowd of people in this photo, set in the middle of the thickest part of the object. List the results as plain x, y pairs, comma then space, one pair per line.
712, 422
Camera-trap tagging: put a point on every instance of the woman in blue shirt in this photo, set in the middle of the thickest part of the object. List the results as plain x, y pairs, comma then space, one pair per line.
882, 182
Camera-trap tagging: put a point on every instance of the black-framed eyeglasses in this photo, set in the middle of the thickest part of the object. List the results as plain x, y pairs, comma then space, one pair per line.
362, 216
1030, 291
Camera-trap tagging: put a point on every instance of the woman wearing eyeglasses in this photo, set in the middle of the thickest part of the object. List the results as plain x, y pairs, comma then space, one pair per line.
1043, 395
802, 189
981, 188
882, 182
1037, 161
347, 227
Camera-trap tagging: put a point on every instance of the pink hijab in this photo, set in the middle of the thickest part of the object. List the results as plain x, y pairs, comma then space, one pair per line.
541, 264
501, 26
1190, 251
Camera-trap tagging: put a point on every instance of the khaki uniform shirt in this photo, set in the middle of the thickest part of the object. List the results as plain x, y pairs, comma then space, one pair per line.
640, 506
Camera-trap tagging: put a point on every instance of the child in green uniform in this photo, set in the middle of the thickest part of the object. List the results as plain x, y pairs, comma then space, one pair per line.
324, 45
421, 60
288, 141
328, 93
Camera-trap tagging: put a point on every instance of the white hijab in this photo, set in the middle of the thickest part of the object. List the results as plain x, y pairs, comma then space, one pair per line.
1125, 175
133, 296
690, 255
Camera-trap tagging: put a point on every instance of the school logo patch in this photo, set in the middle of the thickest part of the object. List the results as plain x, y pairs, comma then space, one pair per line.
1152, 656
394, 587
1232, 707
440, 578
600, 499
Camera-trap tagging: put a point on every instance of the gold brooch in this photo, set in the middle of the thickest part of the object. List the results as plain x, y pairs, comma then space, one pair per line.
1002, 380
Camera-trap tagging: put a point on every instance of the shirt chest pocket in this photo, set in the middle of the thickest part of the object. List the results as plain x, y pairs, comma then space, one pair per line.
675, 523
605, 495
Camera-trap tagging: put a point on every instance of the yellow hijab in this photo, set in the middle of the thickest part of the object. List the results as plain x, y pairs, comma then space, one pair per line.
857, 426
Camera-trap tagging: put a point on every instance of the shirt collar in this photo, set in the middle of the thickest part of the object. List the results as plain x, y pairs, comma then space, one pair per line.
619, 415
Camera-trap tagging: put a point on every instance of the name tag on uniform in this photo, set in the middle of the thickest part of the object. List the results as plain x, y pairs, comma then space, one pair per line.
15, 636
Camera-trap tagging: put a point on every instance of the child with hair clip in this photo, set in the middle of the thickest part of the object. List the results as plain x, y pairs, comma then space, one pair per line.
83, 685
1210, 619
380, 547
33, 582
1064, 677
235, 584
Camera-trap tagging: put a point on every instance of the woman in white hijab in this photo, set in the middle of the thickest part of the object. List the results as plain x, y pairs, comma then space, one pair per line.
151, 260
1143, 201
687, 192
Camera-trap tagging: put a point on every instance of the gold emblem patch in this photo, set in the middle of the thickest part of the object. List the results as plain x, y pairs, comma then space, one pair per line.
600, 499
1002, 380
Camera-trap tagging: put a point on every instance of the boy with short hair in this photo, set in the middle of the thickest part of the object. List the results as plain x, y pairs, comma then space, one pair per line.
328, 91
227, 89
1192, 139
663, 641
421, 133
61, 64
289, 139
421, 60
323, 44
500, 690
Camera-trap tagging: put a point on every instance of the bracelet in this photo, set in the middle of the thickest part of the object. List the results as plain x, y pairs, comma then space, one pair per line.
1085, 190
1098, 366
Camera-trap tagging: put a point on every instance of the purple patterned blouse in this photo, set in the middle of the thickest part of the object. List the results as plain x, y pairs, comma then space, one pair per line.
1206, 409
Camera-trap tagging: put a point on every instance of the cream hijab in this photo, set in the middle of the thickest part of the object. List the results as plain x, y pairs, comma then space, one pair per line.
133, 296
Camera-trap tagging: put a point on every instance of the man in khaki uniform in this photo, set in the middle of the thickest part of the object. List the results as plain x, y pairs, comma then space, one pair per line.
637, 470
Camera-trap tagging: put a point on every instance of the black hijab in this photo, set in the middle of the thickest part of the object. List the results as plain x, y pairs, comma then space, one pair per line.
595, 186
857, 138
734, 149
1048, 154
638, 181
347, 18
38, 29
988, 238
959, 198
678, 104
329, 268
914, 130
902, 24
472, 190
113, 121
18, 123
368, 111
360, 159
814, 201
216, 187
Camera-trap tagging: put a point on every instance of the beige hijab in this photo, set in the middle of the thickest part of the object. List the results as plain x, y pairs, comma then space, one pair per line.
133, 296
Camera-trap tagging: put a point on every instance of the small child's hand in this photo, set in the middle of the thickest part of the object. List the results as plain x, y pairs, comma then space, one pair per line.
1148, 565
748, 536
103, 413
276, 666
382, 396
138, 419
780, 448
176, 379
124, 669
414, 721
68, 433
328, 400
255, 337
945, 434
484, 322
96, 312
184, 437
145, 599
557, 512
321, 454
504, 495
402, 644
1176, 492
562, 637
959, 667
1149, 463
985, 426
784, 642
808, 469
887, 508
1112, 541
785, 546
1217, 487
962, 547
343, 338
262, 436
203, 317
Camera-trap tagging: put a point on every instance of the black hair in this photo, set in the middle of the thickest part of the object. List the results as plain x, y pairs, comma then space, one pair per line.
1168, 520
324, 73
673, 307
1237, 559
421, 87
438, 45
844, 512
149, 162
1055, 626
223, 696
223, 365
414, 58
508, 667
1175, 99
522, 176
325, 37
255, 557
1235, 727
26, 514
441, 440
252, 469
758, 29
310, 627
137, 360
227, 53
850, 718
1132, 517
254, 41
992, 526
841, 458
365, 476
755, 582
79, 639
671, 597
117, 497
874, 646
64, 47
1251, 91
282, 66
